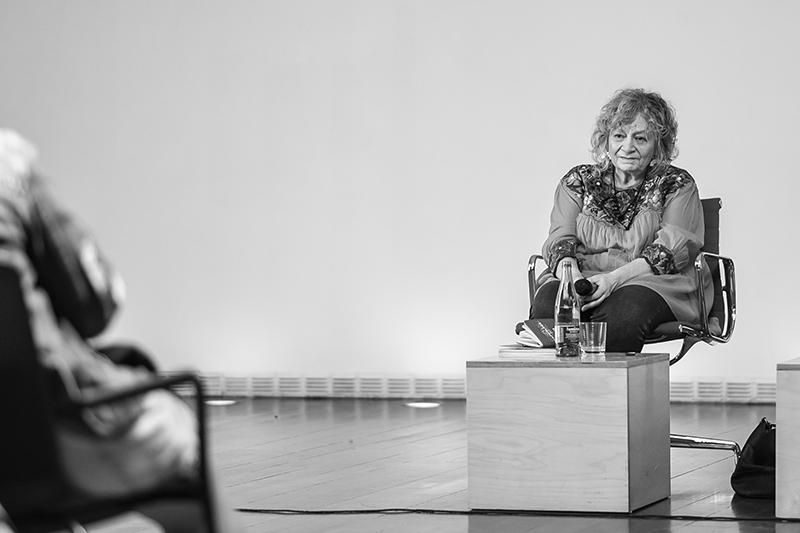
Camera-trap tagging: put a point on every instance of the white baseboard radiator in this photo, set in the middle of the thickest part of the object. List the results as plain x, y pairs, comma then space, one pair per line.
443, 387
722, 391
287, 386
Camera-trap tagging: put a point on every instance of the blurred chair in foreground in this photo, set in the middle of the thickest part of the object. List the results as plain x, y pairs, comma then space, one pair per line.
83, 437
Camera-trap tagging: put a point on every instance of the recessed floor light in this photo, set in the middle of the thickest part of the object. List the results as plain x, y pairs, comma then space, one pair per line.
220, 402
423, 405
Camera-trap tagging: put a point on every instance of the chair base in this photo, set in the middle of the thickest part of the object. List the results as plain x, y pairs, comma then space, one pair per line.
688, 441
688, 342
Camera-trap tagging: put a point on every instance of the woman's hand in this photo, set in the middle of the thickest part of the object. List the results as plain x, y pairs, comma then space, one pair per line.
608, 282
604, 286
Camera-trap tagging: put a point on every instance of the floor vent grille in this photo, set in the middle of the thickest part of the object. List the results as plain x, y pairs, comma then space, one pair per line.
682, 391
237, 386
739, 392
289, 386
719, 391
262, 386
442, 387
344, 387
710, 391
213, 384
767, 390
399, 387
427, 388
371, 388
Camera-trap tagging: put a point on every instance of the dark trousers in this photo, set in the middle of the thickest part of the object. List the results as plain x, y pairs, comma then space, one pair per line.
632, 312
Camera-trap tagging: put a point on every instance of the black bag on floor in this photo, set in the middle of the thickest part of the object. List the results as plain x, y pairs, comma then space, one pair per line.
754, 475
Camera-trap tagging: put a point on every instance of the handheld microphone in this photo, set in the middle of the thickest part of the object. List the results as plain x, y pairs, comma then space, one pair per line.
584, 287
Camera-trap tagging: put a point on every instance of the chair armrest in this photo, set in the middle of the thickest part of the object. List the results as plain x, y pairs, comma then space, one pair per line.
533, 285
166, 383
141, 388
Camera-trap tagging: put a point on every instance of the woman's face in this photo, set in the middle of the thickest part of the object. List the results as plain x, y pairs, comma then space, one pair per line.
631, 147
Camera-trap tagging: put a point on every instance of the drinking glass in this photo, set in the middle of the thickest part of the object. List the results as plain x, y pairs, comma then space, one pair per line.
593, 341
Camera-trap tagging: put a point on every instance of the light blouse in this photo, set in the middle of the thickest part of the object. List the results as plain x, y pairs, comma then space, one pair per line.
604, 228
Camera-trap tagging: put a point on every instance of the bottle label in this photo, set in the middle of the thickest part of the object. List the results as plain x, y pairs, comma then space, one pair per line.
568, 340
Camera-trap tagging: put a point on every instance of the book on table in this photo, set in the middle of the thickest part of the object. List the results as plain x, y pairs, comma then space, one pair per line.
518, 351
536, 333
535, 337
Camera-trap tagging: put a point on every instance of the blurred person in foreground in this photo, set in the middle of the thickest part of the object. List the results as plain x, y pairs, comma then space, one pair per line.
631, 223
138, 444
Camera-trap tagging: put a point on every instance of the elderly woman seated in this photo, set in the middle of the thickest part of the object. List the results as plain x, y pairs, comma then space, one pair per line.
631, 223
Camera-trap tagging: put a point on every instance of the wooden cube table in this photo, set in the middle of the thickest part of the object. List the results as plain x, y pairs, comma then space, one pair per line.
787, 441
553, 434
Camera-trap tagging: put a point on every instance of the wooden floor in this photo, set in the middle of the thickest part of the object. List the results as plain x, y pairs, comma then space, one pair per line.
362, 455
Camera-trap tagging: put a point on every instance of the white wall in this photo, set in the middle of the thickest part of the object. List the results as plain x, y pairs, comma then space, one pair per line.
317, 186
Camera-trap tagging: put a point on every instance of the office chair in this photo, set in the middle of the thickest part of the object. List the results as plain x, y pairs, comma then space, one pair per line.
717, 323
34, 490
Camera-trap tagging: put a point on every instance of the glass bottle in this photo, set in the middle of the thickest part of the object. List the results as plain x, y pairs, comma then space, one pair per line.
567, 316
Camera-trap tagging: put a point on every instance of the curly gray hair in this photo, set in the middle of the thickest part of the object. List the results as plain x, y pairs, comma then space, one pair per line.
622, 109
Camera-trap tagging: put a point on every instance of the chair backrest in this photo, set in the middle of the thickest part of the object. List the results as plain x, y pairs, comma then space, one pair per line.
30, 471
720, 275
711, 208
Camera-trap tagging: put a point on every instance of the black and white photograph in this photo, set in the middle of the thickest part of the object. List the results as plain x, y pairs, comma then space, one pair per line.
399, 266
